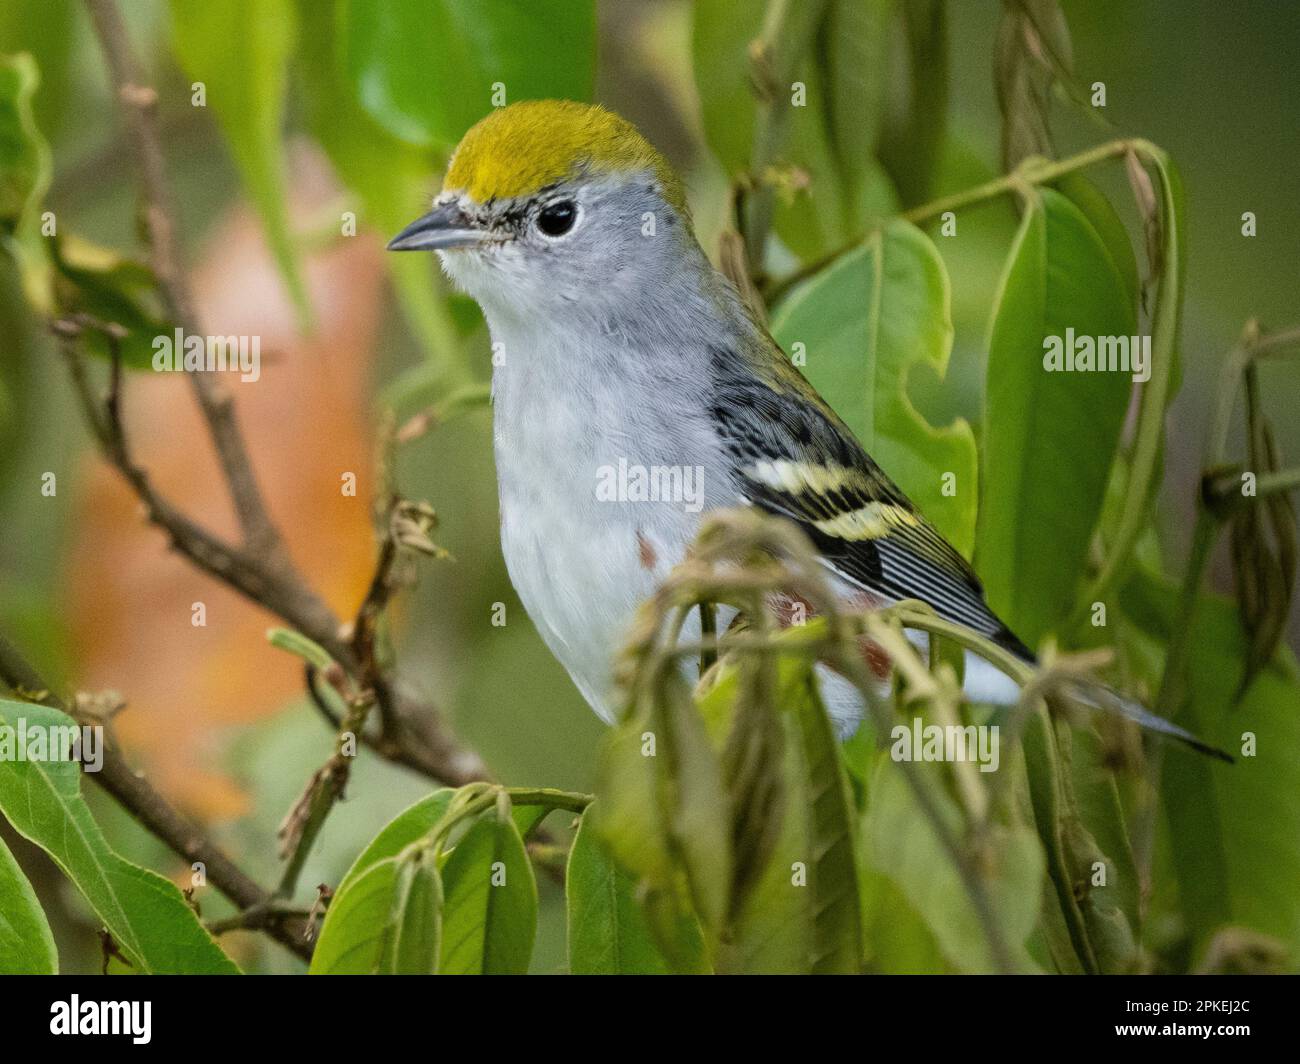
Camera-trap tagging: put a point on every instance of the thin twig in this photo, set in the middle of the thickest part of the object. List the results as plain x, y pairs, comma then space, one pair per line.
139, 104
282, 593
1032, 172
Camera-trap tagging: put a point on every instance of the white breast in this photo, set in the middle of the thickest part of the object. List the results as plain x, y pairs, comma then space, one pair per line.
583, 551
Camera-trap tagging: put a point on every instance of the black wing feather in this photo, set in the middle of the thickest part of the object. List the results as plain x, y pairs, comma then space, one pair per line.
783, 419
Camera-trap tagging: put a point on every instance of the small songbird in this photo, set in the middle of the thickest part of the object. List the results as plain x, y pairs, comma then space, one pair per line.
633, 390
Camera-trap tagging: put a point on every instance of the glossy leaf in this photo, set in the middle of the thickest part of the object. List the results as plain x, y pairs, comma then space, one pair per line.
355, 931
240, 51
426, 69
413, 945
411, 824
1103, 217
145, 913
26, 944
864, 323
607, 932
490, 907
1049, 437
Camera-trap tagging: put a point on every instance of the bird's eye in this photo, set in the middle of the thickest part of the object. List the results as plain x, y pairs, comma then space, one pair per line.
556, 219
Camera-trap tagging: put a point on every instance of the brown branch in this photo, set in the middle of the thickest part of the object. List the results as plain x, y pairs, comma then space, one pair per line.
277, 590
259, 567
151, 809
139, 103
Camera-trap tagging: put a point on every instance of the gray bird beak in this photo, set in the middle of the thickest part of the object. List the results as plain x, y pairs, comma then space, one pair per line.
443, 228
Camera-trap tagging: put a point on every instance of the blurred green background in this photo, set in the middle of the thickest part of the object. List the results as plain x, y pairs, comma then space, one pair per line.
213, 714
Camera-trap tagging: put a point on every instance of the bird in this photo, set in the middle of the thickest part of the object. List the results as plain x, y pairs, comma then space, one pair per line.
634, 391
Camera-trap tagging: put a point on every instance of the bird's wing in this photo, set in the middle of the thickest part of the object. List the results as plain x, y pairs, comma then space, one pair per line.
794, 457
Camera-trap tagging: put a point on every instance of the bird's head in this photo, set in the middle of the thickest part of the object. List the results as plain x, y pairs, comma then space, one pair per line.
550, 203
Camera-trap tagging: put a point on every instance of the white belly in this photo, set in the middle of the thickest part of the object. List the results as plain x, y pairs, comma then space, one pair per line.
582, 573
581, 560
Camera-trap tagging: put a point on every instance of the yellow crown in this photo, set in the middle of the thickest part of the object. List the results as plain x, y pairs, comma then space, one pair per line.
517, 150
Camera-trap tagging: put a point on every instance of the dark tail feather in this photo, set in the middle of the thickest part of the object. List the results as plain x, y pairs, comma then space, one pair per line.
1097, 696
1103, 698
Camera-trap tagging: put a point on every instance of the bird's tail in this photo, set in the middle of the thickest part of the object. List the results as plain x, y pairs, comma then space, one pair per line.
1098, 696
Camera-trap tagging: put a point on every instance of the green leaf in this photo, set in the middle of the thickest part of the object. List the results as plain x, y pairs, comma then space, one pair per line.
1103, 217
112, 288
414, 942
854, 42
1095, 837
25, 172
528, 817
915, 130
837, 929
426, 69
898, 940
720, 38
1071, 798
240, 51
357, 923
664, 812
803, 915
829, 153
144, 912
1040, 500
26, 944
490, 908
607, 932
1162, 210
390, 178
743, 714
903, 846
411, 824
632, 822
697, 806
863, 323
1232, 828
628, 816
